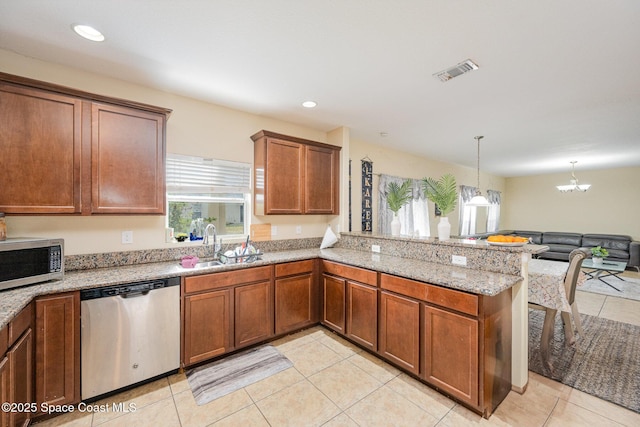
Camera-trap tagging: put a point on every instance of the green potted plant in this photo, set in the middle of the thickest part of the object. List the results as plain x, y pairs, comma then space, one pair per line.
443, 192
598, 254
398, 195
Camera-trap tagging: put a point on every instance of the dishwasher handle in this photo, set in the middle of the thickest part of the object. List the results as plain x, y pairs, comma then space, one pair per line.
133, 294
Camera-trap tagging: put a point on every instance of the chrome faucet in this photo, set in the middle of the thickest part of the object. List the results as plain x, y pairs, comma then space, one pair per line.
208, 236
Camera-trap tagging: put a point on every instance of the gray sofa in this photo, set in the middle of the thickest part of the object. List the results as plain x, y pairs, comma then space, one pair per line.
621, 248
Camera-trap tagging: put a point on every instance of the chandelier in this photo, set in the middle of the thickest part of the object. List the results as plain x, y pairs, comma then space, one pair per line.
573, 182
478, 199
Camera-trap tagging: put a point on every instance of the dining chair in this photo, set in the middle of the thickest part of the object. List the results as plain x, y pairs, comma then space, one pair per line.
570, 282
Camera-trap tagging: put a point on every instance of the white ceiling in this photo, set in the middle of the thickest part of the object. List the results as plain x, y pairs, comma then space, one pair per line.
558, 80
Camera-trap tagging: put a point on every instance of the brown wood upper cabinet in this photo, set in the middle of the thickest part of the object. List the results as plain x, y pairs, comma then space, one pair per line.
294, 175
127, 160
66, 151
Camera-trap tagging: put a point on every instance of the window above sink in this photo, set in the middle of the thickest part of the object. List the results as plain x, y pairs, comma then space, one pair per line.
204, 190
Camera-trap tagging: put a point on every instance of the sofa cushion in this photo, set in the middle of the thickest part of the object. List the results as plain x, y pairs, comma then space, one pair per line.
609, 241
571, 239
618, 254
535, 236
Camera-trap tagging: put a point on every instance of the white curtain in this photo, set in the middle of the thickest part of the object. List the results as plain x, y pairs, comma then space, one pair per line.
414, 216
493, 213
467, 213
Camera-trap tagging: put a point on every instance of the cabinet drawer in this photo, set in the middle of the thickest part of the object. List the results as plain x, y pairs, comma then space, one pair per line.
352, 273
225, 279
20, 323
297, 267
449, 298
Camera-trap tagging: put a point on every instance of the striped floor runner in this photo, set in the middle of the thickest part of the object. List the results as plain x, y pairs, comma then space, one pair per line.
216, 379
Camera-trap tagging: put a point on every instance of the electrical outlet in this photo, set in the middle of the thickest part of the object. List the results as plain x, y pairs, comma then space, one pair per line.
298, 229
127, 237
274, 230
375, 248
458, 260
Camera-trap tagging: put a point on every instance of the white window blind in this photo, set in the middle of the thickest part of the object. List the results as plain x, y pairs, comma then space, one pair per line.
199, 178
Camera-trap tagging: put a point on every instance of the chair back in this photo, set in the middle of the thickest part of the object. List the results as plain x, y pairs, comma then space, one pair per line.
571, 278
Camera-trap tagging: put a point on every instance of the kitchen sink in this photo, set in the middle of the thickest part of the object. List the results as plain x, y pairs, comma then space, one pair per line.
205, 264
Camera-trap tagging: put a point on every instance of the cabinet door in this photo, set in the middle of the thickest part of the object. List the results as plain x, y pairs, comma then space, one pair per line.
253, 313
284, 177
362, 314
41, 144
208, 325
333, 302
21, 376
57, 344
321, 181
295, 302
399, 340
451, 353
127, 160
4, 389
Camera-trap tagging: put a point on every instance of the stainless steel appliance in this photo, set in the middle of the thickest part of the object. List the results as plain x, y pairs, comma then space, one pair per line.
129, 333
27, 261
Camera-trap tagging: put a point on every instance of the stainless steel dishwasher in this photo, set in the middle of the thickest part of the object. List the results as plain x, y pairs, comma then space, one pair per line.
130, 333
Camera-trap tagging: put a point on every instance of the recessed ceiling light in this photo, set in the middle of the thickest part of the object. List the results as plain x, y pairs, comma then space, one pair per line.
88, 32
309, 104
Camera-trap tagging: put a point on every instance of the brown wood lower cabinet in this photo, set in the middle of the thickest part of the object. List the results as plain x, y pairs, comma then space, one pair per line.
450, 353
464, 343
20, 358
57, 344
4, 389
207, 325
349, 302
253, 313
296, 296
399, 331
16, 367
333, 302
362, 314
226, 311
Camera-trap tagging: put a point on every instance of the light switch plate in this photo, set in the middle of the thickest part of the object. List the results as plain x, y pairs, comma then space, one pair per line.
127, 237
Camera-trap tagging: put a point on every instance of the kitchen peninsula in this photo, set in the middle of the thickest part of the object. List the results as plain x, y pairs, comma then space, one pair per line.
481, 301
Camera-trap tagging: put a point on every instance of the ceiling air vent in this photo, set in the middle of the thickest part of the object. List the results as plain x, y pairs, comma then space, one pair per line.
458, 70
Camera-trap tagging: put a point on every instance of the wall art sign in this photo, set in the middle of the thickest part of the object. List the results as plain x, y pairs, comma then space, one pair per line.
367, 193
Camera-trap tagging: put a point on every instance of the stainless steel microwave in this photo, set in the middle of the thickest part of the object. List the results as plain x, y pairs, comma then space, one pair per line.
27, 261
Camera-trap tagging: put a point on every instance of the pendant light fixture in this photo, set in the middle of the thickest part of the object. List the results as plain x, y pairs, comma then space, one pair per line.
573, 182
478, 199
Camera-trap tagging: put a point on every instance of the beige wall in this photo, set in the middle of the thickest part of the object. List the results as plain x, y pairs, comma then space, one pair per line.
407, 165
611, 205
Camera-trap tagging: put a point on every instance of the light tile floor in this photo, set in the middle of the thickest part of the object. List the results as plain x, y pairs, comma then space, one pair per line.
334, 383
609, 307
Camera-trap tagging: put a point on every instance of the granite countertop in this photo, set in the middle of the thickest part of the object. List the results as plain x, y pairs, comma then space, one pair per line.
465, 279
